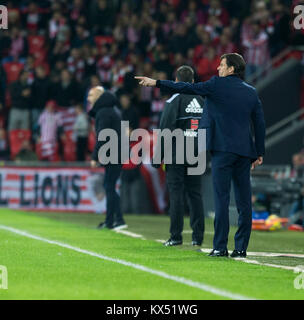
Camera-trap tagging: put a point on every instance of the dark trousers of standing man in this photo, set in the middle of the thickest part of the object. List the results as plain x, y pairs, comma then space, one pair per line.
114, 215
227, 167
180, 183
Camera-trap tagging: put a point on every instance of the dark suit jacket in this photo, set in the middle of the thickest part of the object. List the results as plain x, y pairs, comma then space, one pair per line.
231, 107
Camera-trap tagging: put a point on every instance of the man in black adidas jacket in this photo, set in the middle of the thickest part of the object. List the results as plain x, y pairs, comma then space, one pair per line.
107, 116
183, 111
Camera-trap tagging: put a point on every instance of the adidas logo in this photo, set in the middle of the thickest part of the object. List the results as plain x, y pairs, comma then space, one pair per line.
194, 107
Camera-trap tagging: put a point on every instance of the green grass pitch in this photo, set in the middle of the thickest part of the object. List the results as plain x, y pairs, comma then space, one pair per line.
42, 270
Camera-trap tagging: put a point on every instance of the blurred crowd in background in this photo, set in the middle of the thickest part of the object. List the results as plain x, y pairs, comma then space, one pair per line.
54, 51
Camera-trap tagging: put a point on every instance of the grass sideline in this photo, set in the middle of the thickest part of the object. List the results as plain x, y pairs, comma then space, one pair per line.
38, 270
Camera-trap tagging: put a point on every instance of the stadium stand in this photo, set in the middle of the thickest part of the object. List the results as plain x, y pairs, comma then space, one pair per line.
113, 40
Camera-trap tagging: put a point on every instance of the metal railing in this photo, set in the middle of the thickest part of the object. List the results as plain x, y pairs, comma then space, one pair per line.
284, 128
264, 71
284, 122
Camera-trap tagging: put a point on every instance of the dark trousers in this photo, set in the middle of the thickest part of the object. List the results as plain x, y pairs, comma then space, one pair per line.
114, 215
180, 184
81, 148
227, 167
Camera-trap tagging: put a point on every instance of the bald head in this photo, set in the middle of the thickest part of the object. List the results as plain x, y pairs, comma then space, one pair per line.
94, 94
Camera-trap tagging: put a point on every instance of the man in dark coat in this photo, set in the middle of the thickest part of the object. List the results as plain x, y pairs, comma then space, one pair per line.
107, 116
232, 106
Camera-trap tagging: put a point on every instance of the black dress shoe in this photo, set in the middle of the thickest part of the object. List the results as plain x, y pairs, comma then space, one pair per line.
238, 254
103, 225
171, 243
218, 253
196, 243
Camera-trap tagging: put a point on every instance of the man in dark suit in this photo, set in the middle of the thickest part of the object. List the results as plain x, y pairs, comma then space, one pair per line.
232, 106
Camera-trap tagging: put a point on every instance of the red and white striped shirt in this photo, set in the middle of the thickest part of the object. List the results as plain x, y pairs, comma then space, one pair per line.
256, 49
104, 65
49, 123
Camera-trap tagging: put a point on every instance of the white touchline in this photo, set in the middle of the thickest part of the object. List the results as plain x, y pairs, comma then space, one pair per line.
266, 264
165, 275
130, 234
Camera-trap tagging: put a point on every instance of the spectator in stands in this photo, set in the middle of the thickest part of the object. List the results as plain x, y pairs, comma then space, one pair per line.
163, 64
101, 17
2, 87
178, 43
21, 94
296, 212
279, 37
5, 43
225, 44
214, 27
170, 24
217, 10
33, 18
59, 51
256, 49
77, 9
89, 55
81, 133
19, 47
208, 65
201, 49
26, 152
260, 11
29, 66
76, 64
194, 13
104, 65
129, 113
81, 37
4, 149
298, 165
66, 91
50, 126
58, 29
41, 94
55, 73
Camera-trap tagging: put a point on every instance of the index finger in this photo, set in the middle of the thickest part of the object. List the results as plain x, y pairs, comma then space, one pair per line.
139, 77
